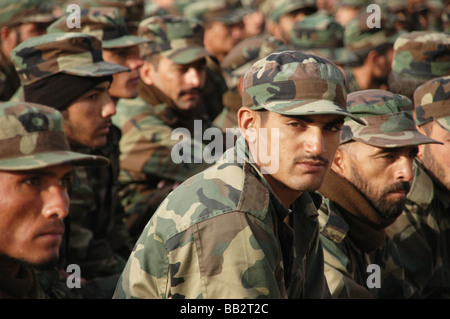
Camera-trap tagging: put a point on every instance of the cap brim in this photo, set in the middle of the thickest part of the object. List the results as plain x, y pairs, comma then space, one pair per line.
97, 69
186, 55
410, 138
308, 107
444, 122
122, 42
43, 160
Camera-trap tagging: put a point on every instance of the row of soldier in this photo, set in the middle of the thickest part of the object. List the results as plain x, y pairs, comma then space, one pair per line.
123, 82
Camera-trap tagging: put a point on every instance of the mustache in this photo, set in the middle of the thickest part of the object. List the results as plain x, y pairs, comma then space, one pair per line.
312, 158
190, 91
398, 186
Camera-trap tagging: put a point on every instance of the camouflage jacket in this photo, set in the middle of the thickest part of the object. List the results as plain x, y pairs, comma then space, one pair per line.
9, 79
148, 172
98, 241
223, 234
423, 237
351, 245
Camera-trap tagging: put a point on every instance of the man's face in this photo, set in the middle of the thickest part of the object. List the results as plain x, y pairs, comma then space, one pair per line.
182, 83
306, 147
220, 38
87, 120
33, 205
124, 84
383, 175
436, 157
286, 23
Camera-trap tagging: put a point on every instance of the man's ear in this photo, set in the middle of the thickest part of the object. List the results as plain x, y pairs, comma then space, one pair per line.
247, 121
338, 164
146, 72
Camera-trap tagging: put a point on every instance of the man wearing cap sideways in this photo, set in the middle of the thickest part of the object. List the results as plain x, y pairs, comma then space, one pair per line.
173, 78
247, 226
35, 173
422, 232
66, 71
364, 192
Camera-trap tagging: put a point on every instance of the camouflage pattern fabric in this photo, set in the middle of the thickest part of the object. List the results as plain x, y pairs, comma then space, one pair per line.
353, 85
234, 65
147, 123
360, 39
275, 9
14, 13
72, 53
388, 117
422, 55
229, 211
178, 38
107, 24
350, 245
421, 233
296, 83
32, 137
432, 102
228, 12
321, 35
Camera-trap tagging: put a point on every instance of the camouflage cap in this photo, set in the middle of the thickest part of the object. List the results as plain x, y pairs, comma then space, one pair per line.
321, 35
360, 38
72, 53
32, 137
388, 118
178, 38
295, 83
226, 11
131, 10
245, 53
106, 23
432, 102
13, 12
278, 8
422, 54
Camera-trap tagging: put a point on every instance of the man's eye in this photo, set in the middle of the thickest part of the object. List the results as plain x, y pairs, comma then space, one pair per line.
297, 124
33, 181
334, 128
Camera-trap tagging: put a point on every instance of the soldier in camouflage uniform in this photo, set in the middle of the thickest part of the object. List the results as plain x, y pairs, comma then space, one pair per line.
247, 227
118, 45
234, 66
422, 231
66, 71
364, 192
281, 15
19, 20
419, 56
324, 36
35, 172
172, 80
373, 47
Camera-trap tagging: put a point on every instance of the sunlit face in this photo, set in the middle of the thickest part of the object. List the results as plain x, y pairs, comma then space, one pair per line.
436, 157
220, 38
182, 83
124, 84
33, 205
383, 175
302, 150
87, 120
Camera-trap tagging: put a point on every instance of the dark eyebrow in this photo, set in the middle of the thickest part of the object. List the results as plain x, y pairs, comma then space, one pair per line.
43, 172
309, 119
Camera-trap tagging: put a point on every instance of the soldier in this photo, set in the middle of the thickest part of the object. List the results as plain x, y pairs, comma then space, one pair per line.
35, 173
347, 10
234, 66
374, 48
247, 226
281, 15
364, 192
419, 56
422, 232
324, 36
170, 96
66, 71
19, 20
118, 46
